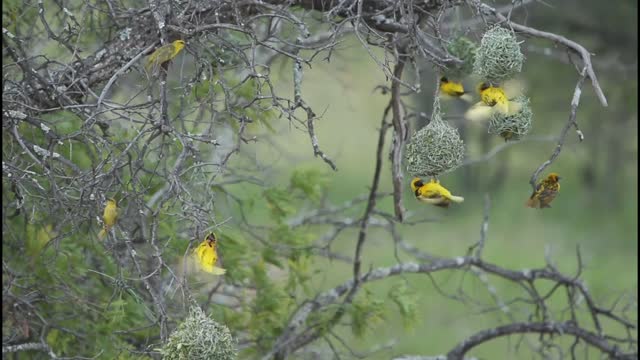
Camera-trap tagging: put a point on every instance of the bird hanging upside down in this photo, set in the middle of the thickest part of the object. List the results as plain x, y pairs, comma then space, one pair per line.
433, 193
206, 255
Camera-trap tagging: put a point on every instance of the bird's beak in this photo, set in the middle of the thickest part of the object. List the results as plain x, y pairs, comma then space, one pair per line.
559, 178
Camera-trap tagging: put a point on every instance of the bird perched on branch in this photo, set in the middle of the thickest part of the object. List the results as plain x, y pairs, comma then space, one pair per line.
492, 99
163, 54
545, 192
206, 255
452, 89
433, 193
109, 217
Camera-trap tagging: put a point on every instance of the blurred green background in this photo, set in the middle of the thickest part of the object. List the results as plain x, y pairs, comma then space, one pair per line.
596, 209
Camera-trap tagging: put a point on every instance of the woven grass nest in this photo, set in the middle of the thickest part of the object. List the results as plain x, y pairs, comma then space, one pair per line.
512, 127
498, 57
435, 149
199, 337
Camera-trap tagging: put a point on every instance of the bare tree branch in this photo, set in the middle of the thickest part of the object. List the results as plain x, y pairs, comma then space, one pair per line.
563, 134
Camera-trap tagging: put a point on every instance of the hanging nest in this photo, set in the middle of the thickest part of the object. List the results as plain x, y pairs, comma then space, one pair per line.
499, 57
512, 127
465, 50
199, 337
434, 149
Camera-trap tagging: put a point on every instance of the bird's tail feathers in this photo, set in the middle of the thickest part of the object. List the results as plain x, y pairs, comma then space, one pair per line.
217, 271
456, 199
467, 97
532, 202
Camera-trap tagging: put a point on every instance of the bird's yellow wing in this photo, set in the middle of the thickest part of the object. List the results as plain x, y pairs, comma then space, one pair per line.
434, 199
479, 112
109, 217
164, 54
159, 56
206, 256
453, 90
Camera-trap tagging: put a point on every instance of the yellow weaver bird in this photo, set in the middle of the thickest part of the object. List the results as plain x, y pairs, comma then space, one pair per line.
433, 193
163, 54
545, 192
450, 89
109, 217
206, 255
492, 99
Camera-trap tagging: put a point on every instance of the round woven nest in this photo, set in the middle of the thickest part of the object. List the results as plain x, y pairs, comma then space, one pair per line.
199, 337
498, 57
435, 149
512, 127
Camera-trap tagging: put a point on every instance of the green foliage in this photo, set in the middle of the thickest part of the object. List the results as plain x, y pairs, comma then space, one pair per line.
262, 111
295, 238
199, 337
405, 300
63, 122
365, 312
270, 309
237, 254
10, 15
311, 182
288, 248
37, 238
270, 256
299, 274
58, 265
279, 202
465, 50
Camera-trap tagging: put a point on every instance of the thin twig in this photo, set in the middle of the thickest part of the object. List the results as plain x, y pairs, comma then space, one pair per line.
297, 93
563, 134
